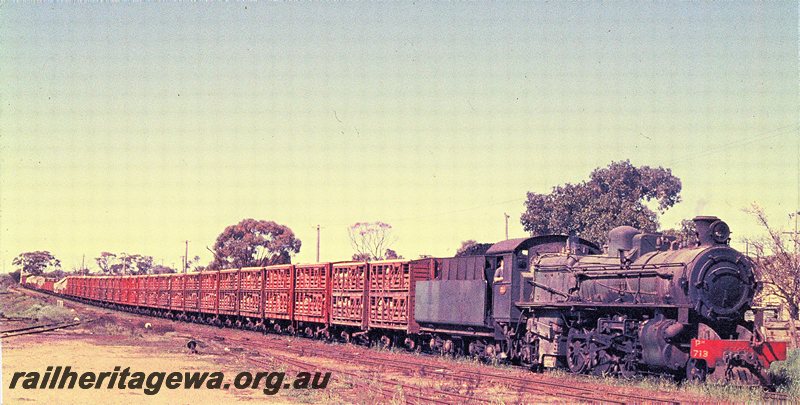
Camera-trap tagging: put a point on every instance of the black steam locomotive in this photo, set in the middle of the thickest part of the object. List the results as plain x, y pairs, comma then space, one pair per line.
642, 305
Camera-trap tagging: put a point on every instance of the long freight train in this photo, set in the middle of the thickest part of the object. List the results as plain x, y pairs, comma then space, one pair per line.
643, 305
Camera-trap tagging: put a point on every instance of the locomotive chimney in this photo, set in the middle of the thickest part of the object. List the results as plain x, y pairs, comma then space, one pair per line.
711, 231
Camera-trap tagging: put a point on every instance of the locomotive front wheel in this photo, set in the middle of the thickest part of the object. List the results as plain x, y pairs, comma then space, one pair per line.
696, 371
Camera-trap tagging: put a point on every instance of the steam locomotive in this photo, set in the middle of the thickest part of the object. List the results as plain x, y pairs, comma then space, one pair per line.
643, 304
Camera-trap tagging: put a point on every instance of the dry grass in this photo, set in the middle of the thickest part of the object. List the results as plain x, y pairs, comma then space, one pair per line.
18, 305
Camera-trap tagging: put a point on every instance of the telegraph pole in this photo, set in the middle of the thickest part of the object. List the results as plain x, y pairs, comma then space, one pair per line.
186, 257
317, 243
507, 217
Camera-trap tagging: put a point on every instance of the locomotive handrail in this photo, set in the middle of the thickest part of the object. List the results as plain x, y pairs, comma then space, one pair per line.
614, 266
613, 270
598, 274
549, 289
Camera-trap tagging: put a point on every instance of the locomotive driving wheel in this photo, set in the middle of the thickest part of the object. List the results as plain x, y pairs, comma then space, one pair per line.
627, 367
604, 363
578, 354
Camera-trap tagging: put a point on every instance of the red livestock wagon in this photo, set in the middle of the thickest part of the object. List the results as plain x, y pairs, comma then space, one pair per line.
128, 290
115, 290
162, 287
176, 296
391, 293
81, 289
151, 284
278, 292
312, 289
141, 290
209, 290
228, 292
94, 288
349, 294
251, 284
191, 292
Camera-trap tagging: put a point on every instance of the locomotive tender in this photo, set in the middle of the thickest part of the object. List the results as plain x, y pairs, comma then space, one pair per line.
644, 305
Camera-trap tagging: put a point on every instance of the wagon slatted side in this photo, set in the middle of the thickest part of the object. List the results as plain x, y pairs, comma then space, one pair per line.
176, 295
209, 292
141, 290
162, 285
94, 290
391, 293
278, 292
131, 290
251, 284
312, 292
152, 290
228, 292
191, 297
349, 294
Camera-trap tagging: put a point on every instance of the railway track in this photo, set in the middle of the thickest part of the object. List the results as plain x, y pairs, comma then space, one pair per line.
475, 379
37, 329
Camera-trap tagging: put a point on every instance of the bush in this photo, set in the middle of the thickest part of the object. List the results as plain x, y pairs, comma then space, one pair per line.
786, 374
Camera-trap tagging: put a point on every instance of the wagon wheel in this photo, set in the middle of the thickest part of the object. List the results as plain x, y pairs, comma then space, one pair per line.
345, 337
386, 342
448, 347
696, 371
578, 356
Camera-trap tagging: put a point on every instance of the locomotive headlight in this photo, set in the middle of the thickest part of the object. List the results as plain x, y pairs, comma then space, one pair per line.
720, 232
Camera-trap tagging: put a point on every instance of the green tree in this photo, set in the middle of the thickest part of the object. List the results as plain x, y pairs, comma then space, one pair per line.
106, 261
37, 262
159, 269
778, 260
685, 234
472, 248
391, 255
613, 196
124, 263
371, 240
254, 242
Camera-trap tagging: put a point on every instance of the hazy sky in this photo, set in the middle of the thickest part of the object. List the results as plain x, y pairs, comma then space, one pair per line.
133, 127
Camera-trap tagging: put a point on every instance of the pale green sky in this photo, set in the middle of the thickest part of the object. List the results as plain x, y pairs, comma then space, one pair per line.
132, 127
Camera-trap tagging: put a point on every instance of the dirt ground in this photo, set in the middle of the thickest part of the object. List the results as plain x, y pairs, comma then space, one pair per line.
359, 375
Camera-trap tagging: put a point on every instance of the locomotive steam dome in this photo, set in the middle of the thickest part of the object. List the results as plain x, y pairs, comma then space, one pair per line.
722, 282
